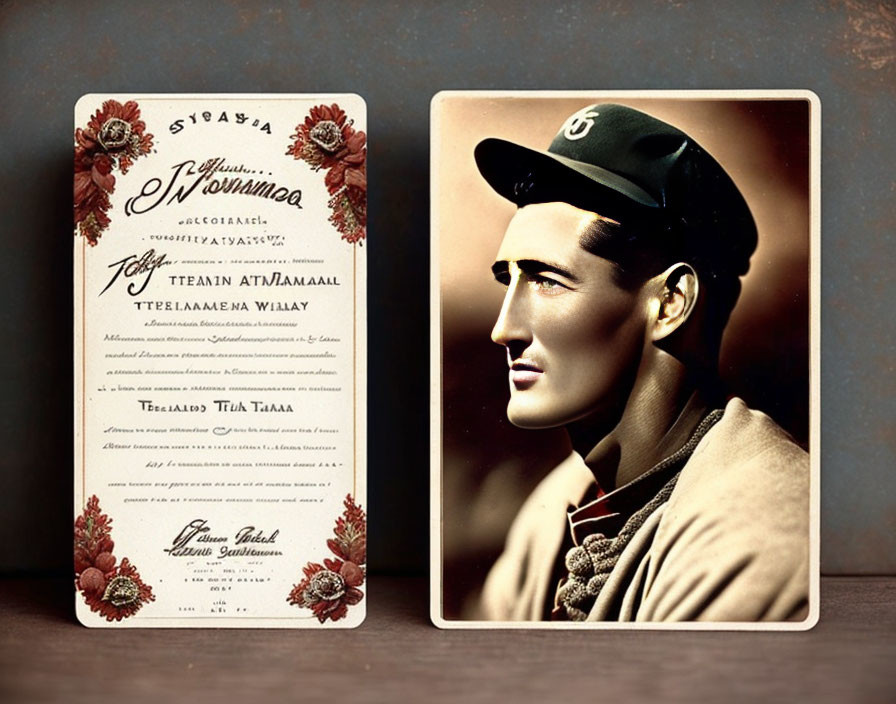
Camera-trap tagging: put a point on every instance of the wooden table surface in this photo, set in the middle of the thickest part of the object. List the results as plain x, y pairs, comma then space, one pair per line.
397, 655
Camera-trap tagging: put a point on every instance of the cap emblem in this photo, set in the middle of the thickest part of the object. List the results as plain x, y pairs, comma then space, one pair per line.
579, 124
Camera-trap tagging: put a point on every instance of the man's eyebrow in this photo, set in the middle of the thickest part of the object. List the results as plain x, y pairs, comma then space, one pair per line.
536, 266
499, 267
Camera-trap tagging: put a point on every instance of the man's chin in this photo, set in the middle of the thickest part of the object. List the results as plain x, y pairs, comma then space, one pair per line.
529, 419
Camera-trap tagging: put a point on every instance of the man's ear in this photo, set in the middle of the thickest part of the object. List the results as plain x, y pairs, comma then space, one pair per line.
677, 291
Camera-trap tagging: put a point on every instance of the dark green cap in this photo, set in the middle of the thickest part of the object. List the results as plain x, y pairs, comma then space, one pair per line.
632, 168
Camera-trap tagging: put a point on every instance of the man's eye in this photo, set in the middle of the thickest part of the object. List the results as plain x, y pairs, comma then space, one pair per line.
546, 285
503, 278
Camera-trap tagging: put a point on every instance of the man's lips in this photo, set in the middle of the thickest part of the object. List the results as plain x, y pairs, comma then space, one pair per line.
524, 372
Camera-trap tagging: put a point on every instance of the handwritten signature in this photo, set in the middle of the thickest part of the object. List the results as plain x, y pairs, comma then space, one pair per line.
132, 266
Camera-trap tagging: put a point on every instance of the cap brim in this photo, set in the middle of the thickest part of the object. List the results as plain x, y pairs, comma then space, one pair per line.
523, 176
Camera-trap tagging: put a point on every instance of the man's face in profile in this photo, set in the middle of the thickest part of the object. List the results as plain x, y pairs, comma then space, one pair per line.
573, 335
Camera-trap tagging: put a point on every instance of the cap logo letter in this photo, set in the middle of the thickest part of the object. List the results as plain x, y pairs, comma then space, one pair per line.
580, 124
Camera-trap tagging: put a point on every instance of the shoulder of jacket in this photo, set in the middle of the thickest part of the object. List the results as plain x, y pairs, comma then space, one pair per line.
736, 523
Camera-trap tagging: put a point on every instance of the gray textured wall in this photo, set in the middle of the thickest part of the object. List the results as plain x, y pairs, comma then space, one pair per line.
397, 54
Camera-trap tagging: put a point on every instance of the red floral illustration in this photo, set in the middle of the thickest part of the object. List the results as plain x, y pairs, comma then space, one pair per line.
327, 140
329, 589
114, 137
115, 592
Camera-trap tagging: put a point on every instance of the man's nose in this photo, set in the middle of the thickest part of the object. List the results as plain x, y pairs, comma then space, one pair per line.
512, 323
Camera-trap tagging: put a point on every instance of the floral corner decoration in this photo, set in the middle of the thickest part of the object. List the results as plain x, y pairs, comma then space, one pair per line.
327, 140
114, 137
114, 591
329, 589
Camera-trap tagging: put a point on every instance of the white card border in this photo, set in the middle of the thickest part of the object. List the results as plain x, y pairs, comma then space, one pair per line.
359, 330
436, 576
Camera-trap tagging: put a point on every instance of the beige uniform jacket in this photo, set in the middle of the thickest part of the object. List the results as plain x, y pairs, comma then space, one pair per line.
731, 544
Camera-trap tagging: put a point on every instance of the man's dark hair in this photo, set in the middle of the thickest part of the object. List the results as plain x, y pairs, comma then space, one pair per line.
637, 258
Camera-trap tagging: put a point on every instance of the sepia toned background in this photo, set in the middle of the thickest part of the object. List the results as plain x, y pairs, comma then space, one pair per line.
489, 466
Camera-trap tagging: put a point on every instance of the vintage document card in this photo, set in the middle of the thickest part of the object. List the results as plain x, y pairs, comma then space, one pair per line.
625, 359
220, 340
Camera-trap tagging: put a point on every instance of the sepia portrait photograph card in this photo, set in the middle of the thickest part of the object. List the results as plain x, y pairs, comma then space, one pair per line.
219, 353
625, 359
